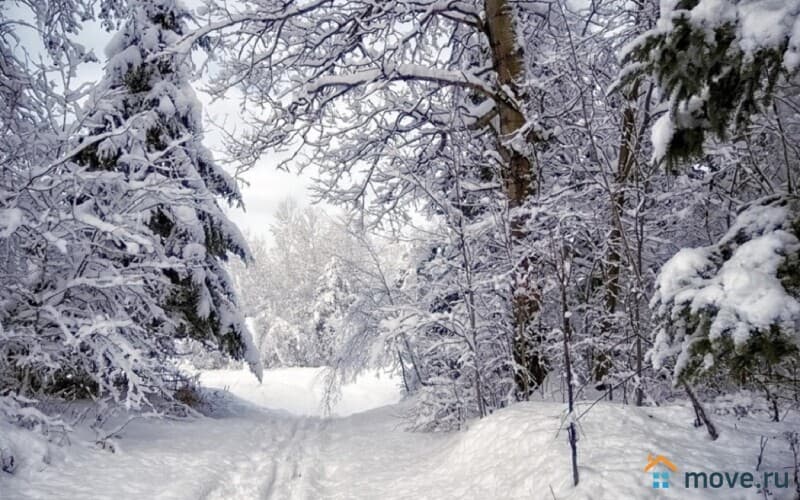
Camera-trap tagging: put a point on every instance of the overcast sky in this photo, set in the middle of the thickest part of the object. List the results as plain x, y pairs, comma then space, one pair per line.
267, 185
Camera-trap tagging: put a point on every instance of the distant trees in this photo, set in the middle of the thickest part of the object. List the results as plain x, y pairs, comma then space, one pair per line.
301, 287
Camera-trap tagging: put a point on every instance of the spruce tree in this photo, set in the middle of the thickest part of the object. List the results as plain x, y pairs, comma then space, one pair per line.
147, 105
717, 68
731, 308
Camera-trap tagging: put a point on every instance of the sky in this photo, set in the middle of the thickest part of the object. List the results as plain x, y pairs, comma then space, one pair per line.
266, 185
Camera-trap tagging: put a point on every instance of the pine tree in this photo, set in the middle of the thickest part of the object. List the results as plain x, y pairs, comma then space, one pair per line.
146, 102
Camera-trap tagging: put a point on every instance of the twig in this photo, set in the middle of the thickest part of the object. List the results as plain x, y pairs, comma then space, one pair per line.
761, 447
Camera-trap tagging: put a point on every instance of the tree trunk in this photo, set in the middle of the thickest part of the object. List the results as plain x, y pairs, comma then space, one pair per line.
625, 159
700, 413
572, 432
519, 176
403, 372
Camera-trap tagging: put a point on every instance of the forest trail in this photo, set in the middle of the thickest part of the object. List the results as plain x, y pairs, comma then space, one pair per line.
263, 441
272, 441
284, 464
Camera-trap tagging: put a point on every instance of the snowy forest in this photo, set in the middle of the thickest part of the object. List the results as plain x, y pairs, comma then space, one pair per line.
551, 228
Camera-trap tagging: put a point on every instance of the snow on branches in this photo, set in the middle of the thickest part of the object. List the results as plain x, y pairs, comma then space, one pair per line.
112, 238
734, 303
717, 63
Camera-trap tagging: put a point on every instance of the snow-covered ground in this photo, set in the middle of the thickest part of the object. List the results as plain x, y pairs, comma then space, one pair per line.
271, 441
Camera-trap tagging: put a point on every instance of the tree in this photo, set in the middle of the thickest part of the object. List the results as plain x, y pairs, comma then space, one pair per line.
451, 317
147, 90
33, 193
74, 309
728, 79
733, 306
717, 67
91, 306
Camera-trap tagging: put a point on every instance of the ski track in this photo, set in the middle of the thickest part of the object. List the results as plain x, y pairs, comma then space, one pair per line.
286, 466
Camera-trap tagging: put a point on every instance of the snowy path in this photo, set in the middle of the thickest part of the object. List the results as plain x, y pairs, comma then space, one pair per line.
284, 465
275, 445
272, 445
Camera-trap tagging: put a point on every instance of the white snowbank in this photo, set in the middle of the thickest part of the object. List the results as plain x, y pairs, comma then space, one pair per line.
519, 453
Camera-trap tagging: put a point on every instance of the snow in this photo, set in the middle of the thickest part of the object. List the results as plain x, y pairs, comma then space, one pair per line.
270, 441
402, 72
300, 391
713, 12
661, 136
251, 354
194, 252
82, 213
736, 281
13, 438
747, 289
10, 220
165, 106
766, 23
760, 24
682, 272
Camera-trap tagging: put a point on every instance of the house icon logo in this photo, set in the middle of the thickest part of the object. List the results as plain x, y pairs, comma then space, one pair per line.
660, 477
